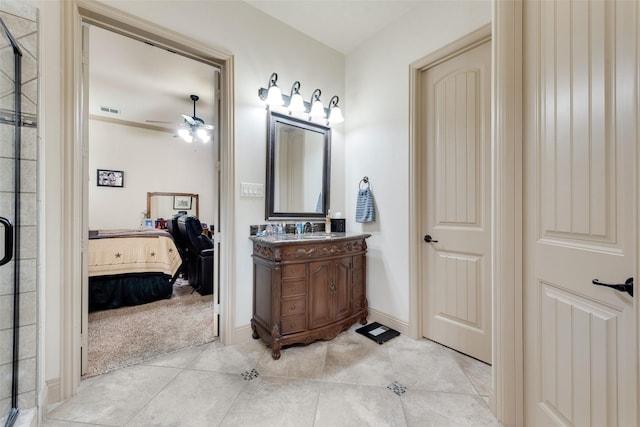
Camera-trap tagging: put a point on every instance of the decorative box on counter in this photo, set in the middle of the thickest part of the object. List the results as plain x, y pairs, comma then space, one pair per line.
338, 225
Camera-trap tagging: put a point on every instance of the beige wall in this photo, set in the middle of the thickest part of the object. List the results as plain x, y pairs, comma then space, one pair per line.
152, 161
377, 137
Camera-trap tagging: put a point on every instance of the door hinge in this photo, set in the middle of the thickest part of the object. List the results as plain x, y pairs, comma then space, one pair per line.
216, 308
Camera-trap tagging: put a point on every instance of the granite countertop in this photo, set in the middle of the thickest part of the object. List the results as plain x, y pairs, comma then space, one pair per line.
318, 237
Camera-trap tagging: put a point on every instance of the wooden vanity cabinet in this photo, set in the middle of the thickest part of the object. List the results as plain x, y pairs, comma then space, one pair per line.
305, 291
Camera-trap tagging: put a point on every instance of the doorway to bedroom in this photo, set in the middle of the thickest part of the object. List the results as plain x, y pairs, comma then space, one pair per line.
141, 299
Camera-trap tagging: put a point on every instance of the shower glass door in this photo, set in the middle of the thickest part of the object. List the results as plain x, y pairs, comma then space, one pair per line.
10, 57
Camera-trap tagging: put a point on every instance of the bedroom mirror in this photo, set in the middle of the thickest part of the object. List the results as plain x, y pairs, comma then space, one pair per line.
165, 205
298, 168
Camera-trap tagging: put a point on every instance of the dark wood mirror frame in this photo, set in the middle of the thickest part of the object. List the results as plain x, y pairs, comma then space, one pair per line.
271, 212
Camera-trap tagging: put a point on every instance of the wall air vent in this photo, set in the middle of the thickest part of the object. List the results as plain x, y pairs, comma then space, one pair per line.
110, 110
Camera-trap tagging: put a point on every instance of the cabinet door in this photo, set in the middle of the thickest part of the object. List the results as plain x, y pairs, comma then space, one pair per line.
319, 294
340, 288
329, 291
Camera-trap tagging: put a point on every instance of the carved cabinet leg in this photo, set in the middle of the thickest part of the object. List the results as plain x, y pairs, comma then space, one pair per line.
275, 350
254, 335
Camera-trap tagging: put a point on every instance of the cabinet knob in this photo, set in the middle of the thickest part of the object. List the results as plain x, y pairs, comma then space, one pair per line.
293, 307
293, 325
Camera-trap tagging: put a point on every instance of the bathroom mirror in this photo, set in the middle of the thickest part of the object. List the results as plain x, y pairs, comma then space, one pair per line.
165, 205
298, 168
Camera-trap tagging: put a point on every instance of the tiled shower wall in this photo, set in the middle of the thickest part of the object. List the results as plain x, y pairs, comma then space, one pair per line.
21, 19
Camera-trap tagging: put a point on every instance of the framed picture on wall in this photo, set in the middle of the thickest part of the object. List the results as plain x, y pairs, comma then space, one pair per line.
182, 203
110, 178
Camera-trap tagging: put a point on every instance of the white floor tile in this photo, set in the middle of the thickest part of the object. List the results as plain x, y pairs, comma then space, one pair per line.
348, 381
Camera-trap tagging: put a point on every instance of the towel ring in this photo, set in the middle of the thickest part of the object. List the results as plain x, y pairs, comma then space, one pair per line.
365, 181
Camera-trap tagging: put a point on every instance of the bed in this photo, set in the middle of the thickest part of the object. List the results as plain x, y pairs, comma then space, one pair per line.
131, 267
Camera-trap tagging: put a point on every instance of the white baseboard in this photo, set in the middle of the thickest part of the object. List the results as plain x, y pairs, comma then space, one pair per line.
241, 334
392, 322
52, 392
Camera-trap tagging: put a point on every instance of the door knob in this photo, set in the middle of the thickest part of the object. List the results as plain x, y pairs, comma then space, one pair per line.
627, 286
428, 239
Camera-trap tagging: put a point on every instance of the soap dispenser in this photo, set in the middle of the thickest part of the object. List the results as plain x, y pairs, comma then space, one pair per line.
327, 223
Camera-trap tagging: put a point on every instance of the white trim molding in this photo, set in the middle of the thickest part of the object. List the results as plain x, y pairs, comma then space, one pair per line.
508, 381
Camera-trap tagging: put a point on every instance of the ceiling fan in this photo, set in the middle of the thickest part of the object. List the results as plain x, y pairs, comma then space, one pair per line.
193, 127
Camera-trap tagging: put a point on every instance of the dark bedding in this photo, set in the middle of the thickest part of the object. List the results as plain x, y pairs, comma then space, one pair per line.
107, 292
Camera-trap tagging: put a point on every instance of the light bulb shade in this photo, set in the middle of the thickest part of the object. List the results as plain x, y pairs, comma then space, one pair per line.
296, 104
274, 96
203, 135
335, 115
185, 134
317, 110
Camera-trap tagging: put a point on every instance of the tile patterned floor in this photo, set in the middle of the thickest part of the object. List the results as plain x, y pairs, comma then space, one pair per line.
349, 381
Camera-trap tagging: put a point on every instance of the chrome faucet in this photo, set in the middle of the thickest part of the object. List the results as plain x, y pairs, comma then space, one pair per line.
308, 227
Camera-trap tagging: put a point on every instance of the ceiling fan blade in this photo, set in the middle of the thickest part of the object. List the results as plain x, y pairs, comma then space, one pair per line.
188, 119
158, 121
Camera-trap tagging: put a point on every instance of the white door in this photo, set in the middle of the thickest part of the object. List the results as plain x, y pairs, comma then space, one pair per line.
456, 202
580, 215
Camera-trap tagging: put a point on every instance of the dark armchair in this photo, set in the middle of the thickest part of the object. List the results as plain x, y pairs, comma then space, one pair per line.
181, 243
199, 254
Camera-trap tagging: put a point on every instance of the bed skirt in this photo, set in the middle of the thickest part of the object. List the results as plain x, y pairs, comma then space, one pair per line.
106, 292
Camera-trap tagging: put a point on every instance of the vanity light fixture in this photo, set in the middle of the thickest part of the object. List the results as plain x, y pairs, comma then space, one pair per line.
335, 114
273, 94
296, 105
317, 109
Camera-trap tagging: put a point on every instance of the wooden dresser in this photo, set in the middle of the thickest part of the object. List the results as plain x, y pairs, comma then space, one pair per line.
308, 288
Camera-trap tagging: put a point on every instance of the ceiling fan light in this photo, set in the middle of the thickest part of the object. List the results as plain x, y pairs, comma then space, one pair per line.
185, 134
203, 135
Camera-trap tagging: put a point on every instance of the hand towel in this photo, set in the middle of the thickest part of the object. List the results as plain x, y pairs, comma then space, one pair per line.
365, 209
319, 204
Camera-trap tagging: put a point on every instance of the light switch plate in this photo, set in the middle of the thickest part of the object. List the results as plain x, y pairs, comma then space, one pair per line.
248, 189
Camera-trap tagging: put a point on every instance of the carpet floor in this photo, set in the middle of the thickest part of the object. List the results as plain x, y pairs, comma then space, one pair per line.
130, 335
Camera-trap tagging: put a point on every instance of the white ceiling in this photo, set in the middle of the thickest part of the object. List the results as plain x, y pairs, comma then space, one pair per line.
340, 24
146, 83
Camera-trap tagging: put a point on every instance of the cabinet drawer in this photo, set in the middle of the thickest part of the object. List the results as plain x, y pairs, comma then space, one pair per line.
293, 271
292, 288
292, 324
292, 306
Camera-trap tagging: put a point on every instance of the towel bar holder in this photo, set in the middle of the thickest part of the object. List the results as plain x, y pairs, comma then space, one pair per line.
365, 181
